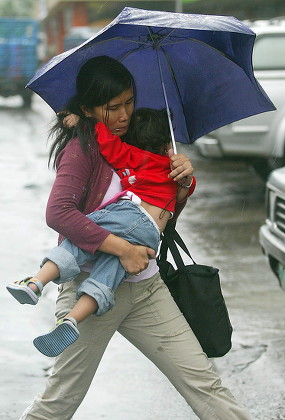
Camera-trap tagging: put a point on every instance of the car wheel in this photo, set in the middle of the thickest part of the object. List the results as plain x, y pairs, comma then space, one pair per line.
263, 167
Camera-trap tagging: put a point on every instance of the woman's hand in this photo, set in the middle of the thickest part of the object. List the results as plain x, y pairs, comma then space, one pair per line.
181, 167
134, 258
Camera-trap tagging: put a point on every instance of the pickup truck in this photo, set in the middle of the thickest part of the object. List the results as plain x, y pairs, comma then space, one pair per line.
259, 139
272, 233
18, 56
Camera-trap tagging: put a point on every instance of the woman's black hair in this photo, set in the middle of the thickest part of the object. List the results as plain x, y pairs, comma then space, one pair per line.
149, 130
98, 81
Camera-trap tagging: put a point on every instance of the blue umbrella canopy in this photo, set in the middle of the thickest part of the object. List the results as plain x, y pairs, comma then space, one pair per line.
198, 65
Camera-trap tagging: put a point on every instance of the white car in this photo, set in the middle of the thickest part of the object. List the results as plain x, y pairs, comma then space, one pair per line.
272, 233
259, 139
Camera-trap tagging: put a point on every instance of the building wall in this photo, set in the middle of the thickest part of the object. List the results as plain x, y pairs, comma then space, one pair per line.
51, 3
62, 15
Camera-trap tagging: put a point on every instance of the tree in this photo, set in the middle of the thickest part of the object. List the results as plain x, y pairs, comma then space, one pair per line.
17, 8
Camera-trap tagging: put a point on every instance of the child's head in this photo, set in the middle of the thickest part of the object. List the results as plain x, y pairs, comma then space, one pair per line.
149, 130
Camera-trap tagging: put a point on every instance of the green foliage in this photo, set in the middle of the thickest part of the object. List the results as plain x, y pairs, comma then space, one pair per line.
16, 8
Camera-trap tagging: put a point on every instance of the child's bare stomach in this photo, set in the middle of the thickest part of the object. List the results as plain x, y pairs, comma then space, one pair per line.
160, 216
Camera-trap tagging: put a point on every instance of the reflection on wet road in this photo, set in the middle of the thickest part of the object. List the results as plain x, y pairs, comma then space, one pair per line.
222, 220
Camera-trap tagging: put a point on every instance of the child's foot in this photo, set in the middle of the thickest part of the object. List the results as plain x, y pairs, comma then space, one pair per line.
58, 339
23, 293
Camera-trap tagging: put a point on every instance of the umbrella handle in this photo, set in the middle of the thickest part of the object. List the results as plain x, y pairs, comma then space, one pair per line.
173, 142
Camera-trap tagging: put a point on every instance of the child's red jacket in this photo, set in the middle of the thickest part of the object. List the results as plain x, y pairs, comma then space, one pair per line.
143, 173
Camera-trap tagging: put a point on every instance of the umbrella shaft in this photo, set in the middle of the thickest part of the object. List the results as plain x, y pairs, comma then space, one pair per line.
167, 106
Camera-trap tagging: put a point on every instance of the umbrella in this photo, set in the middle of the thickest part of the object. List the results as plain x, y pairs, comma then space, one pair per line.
199, 66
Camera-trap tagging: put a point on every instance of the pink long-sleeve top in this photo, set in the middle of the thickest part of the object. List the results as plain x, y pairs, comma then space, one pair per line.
81, 182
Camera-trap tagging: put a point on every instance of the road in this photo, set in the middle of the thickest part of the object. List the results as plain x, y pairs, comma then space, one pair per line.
220, 225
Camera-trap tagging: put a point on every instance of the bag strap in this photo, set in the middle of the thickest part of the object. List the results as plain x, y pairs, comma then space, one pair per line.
171, 239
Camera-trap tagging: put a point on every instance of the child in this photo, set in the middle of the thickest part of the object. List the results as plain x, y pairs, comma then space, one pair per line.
139, 214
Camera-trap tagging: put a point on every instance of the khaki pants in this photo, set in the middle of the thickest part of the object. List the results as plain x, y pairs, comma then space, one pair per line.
147, 316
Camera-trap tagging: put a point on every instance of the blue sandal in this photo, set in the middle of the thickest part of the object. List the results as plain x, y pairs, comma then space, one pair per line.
21, 291
57, 340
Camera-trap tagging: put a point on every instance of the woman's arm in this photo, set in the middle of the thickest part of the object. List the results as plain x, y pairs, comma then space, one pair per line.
186, 188
134, 258
64, 213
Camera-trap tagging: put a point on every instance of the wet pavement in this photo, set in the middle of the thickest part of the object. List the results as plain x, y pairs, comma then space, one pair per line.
224, 217
220, 225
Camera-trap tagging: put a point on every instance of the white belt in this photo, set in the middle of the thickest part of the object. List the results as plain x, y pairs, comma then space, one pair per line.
132, 197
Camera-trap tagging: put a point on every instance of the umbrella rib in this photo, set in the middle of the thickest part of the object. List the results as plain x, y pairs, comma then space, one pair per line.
199, 42
173, 78
147, 44
131, 52
168, 35
151, 33
206, 45
115, 38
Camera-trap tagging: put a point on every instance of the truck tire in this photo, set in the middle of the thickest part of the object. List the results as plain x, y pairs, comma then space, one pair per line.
263, 167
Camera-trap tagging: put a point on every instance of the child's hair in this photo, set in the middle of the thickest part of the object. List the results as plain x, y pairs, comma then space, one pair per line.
149, 130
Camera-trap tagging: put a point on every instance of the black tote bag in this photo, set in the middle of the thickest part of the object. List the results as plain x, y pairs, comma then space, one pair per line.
197, 291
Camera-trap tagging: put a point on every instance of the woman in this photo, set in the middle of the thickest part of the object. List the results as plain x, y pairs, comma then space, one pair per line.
144, 312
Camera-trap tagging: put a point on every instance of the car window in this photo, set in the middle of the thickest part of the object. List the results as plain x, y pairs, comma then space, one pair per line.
268, 52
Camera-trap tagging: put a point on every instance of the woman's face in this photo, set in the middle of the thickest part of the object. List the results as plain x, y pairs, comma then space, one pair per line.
117, 113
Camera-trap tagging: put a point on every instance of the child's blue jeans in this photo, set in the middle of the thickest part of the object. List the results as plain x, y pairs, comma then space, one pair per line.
124, 219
